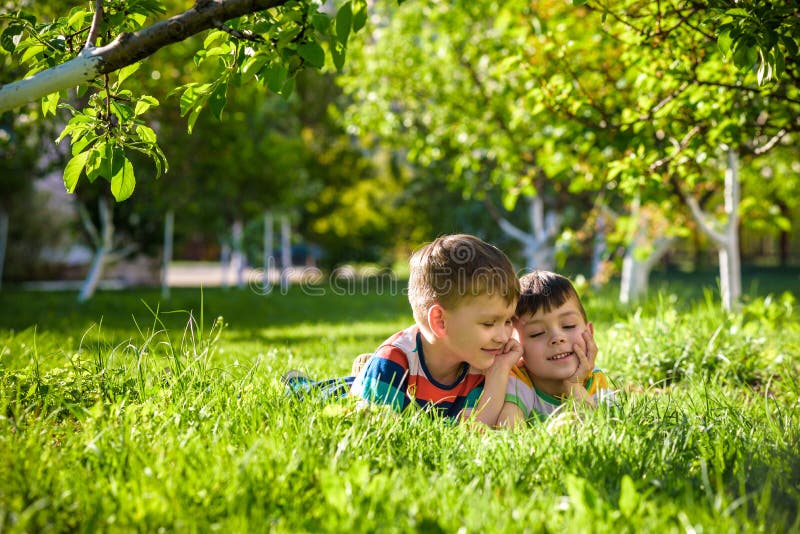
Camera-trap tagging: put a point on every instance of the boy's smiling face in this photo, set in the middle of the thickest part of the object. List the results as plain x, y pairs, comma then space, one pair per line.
478, 329
548, 340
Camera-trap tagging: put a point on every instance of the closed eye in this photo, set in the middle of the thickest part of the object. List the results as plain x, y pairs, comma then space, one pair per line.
536, 334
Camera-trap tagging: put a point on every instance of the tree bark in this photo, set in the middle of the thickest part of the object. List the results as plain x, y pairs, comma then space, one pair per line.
538, 253
635, 280
727, 239
128, 48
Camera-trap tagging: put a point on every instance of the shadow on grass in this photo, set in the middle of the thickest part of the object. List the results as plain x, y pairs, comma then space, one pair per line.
122, 310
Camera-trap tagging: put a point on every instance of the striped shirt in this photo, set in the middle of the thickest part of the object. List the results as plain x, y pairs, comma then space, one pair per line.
396, 375
536, 404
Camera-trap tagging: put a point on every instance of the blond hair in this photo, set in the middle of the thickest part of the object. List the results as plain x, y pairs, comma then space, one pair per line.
454, 268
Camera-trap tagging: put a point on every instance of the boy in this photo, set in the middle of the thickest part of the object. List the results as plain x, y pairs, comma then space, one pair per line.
457, 357
558, 351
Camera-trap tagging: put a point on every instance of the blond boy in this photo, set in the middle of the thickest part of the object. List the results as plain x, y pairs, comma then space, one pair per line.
457, 357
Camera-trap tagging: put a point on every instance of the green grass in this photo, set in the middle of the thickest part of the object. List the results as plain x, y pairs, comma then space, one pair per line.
126, 415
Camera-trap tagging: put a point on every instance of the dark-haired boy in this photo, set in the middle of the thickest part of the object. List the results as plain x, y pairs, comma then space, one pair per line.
558, 351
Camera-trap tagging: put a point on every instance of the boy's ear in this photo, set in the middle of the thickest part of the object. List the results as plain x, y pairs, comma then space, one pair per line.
436, 320
590, 326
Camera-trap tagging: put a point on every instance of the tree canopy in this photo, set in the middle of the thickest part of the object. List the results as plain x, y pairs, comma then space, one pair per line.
98, 48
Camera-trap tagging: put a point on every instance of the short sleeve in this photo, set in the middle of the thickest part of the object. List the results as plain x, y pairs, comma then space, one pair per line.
383, 381
519, 393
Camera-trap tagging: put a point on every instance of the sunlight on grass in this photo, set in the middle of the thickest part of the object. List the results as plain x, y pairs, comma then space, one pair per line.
118, 418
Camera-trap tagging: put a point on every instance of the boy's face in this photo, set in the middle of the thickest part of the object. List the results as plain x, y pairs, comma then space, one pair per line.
478, 328
548, 340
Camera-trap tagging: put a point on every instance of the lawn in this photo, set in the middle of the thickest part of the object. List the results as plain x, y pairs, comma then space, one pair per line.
126, 414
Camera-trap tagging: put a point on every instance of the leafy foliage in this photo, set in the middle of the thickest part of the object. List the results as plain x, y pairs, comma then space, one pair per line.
268, 47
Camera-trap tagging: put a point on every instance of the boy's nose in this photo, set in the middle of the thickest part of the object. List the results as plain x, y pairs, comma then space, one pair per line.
558, 337
503, 333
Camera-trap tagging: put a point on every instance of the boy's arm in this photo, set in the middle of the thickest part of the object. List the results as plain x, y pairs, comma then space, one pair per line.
494, 387
382, 381
511, 416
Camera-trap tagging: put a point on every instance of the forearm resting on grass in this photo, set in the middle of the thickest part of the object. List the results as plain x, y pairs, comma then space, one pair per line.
494, 388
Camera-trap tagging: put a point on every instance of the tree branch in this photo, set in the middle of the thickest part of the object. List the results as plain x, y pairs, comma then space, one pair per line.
680, 147
128, 48
243, 35
771, 143
94, 30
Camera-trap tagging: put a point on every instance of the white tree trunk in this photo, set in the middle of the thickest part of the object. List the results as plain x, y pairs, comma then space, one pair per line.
286, 252
636, 267
539, 254
169, 226
126, 49
730, 268
636, 272
238, 258
103, 242
727, 239
3, 241
269, 259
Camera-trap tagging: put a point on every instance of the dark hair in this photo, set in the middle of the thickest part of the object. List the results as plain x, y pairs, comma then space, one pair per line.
545, 290
453, 268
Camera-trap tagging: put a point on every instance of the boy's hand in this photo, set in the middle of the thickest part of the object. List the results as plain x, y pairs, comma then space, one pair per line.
587, 354
508, 357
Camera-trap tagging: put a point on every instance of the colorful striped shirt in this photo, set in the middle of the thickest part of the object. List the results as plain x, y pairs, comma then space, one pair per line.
396, 375
536, 404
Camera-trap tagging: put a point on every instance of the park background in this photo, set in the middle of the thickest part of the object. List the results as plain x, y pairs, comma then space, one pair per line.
647, 150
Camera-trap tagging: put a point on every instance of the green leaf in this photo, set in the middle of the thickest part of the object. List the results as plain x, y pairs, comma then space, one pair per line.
359, 14
73, 170
99, 162
8, 36
313, 54
253, 65
50, 104
218, 99
145, 102
125, 72
578, 2
338, 53
344, 21
321, 22
195, 113
222, 50
724, 42
146, 134
287, 89
123, 182
31, 52
213, 38
276, 77
76, 19
745, 56
194, 96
